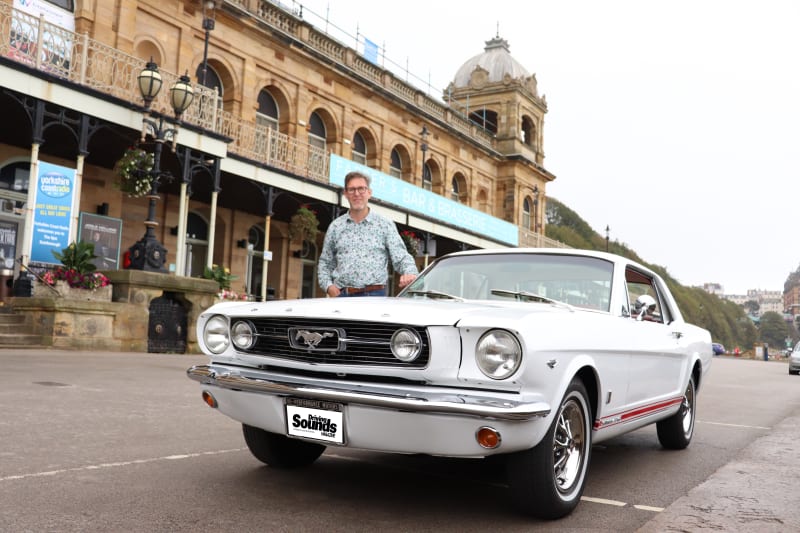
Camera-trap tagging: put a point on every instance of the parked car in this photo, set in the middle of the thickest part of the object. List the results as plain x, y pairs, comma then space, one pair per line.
794, 360
718, 348
529, 354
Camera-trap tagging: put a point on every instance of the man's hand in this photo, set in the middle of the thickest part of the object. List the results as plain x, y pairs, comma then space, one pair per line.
333, 291
405, 279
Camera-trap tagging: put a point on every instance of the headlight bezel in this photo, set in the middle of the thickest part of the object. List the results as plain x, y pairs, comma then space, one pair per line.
406, 345
216, 334
237, 332
498, 354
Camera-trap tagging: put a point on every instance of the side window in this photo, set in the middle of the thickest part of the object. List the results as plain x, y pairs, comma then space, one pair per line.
646, 303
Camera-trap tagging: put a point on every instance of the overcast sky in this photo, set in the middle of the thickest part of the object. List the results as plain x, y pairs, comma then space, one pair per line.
675, 123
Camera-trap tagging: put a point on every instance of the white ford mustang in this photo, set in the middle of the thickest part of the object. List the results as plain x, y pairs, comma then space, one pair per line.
530, 353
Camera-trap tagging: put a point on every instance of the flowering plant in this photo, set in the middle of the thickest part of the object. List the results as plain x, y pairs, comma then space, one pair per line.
411, 241
134, 172
304, 224
222, 275
77, 268
75, 279
227, 294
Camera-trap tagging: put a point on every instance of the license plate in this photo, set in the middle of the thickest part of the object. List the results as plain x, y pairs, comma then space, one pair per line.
315, 419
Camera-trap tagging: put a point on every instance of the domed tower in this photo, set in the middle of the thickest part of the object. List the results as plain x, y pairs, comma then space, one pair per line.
495, 91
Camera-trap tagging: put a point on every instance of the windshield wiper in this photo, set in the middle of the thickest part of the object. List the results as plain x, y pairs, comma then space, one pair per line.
436, 294
530, 297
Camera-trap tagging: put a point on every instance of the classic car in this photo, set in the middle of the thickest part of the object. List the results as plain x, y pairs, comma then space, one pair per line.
531, 354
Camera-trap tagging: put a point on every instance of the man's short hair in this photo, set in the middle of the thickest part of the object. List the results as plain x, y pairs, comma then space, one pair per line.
356, 174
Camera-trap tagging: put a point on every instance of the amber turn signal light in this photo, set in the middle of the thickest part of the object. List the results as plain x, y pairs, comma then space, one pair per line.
209, 399
488, 438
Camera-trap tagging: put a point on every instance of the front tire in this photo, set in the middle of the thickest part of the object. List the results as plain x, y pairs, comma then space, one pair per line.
547, 481
280, 451
675, 433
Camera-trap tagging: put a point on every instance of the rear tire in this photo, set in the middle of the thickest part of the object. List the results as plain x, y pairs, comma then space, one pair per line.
280, 451
675, 433
547, 481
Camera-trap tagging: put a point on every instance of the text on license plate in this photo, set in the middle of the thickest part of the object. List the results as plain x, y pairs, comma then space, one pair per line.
312, 419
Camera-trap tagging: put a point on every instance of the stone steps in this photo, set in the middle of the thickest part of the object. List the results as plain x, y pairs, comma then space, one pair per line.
15, 332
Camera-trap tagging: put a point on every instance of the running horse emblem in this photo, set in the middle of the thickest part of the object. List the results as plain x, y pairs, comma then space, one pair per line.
312, 339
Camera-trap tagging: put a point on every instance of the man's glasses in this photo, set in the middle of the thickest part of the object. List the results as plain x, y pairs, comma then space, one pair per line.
356, 190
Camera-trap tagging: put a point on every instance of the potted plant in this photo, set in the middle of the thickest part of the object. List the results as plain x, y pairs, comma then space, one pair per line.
304, 224
134, 169
76, 277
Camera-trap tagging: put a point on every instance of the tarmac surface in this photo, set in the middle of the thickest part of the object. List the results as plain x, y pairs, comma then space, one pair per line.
757, 492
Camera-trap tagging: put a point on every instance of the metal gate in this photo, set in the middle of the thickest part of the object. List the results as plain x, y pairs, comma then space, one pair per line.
166, 330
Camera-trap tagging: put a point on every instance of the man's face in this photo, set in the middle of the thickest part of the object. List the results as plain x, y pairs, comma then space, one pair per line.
357, 193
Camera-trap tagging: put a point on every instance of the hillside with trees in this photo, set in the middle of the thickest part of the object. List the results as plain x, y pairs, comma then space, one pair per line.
727, 322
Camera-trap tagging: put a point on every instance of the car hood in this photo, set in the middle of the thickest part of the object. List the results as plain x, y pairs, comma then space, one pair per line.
417, 311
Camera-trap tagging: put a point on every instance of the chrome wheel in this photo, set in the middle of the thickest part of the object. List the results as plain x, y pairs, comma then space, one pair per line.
676, 431
568, 445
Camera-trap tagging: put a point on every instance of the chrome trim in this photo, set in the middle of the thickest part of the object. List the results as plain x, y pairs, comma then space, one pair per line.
461, 403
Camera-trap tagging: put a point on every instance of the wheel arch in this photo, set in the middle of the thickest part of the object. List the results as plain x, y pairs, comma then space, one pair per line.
590, 380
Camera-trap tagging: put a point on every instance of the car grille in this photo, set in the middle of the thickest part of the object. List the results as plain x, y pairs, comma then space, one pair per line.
337, 342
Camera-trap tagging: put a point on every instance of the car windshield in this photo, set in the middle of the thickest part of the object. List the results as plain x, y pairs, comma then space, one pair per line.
575, 280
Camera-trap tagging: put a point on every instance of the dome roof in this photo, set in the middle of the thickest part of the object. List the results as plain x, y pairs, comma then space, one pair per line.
496, 60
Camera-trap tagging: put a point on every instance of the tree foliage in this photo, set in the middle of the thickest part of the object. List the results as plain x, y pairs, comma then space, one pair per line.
727, 321
773, 329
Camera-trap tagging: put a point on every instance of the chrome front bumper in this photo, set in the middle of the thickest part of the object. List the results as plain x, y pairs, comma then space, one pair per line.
407, 399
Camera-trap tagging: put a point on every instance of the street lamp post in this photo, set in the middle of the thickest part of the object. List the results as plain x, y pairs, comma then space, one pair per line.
208, 24
424, 147
536, 208
148, 253
608, 234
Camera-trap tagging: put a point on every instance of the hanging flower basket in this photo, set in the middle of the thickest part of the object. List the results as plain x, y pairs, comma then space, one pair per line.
411, 241
134, 169
304, 225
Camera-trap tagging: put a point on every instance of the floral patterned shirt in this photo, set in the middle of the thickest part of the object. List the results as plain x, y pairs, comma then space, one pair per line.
357, 254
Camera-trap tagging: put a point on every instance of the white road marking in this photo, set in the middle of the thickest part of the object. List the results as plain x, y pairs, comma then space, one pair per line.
100, 466
733, 425
114, 465
615, 503
648, 508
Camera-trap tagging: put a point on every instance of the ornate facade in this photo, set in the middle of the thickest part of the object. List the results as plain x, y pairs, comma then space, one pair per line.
280, 106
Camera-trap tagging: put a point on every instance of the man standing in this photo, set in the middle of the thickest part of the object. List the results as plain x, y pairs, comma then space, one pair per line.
358, 246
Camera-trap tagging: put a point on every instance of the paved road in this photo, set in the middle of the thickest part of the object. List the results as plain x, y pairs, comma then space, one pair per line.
122, 442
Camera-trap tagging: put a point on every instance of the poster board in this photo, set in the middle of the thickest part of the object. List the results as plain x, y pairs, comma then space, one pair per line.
8, 244
106, 235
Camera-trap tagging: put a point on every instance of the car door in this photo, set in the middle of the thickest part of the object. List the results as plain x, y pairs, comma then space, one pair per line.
657, 360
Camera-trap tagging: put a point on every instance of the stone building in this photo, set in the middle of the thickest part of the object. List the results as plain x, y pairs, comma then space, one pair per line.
280, 112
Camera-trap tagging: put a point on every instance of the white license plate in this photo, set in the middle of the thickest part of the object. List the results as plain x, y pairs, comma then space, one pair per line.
314, 419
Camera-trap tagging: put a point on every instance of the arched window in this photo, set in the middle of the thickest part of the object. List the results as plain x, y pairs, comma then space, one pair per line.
212, 79
528, 130
396, 166
454, 192
427, 177
526, 214
267, 114
359, 154
317, 134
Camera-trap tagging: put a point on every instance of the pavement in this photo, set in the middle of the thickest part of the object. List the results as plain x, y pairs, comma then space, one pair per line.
759, 491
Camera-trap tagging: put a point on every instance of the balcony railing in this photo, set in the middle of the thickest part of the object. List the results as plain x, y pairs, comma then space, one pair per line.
37, 43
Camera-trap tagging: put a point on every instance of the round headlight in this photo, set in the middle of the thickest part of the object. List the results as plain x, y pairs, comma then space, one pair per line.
215, 334
406, 345
498, 354
243, 335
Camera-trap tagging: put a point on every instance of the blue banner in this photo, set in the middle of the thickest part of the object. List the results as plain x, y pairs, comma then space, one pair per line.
418, 200
52, 213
